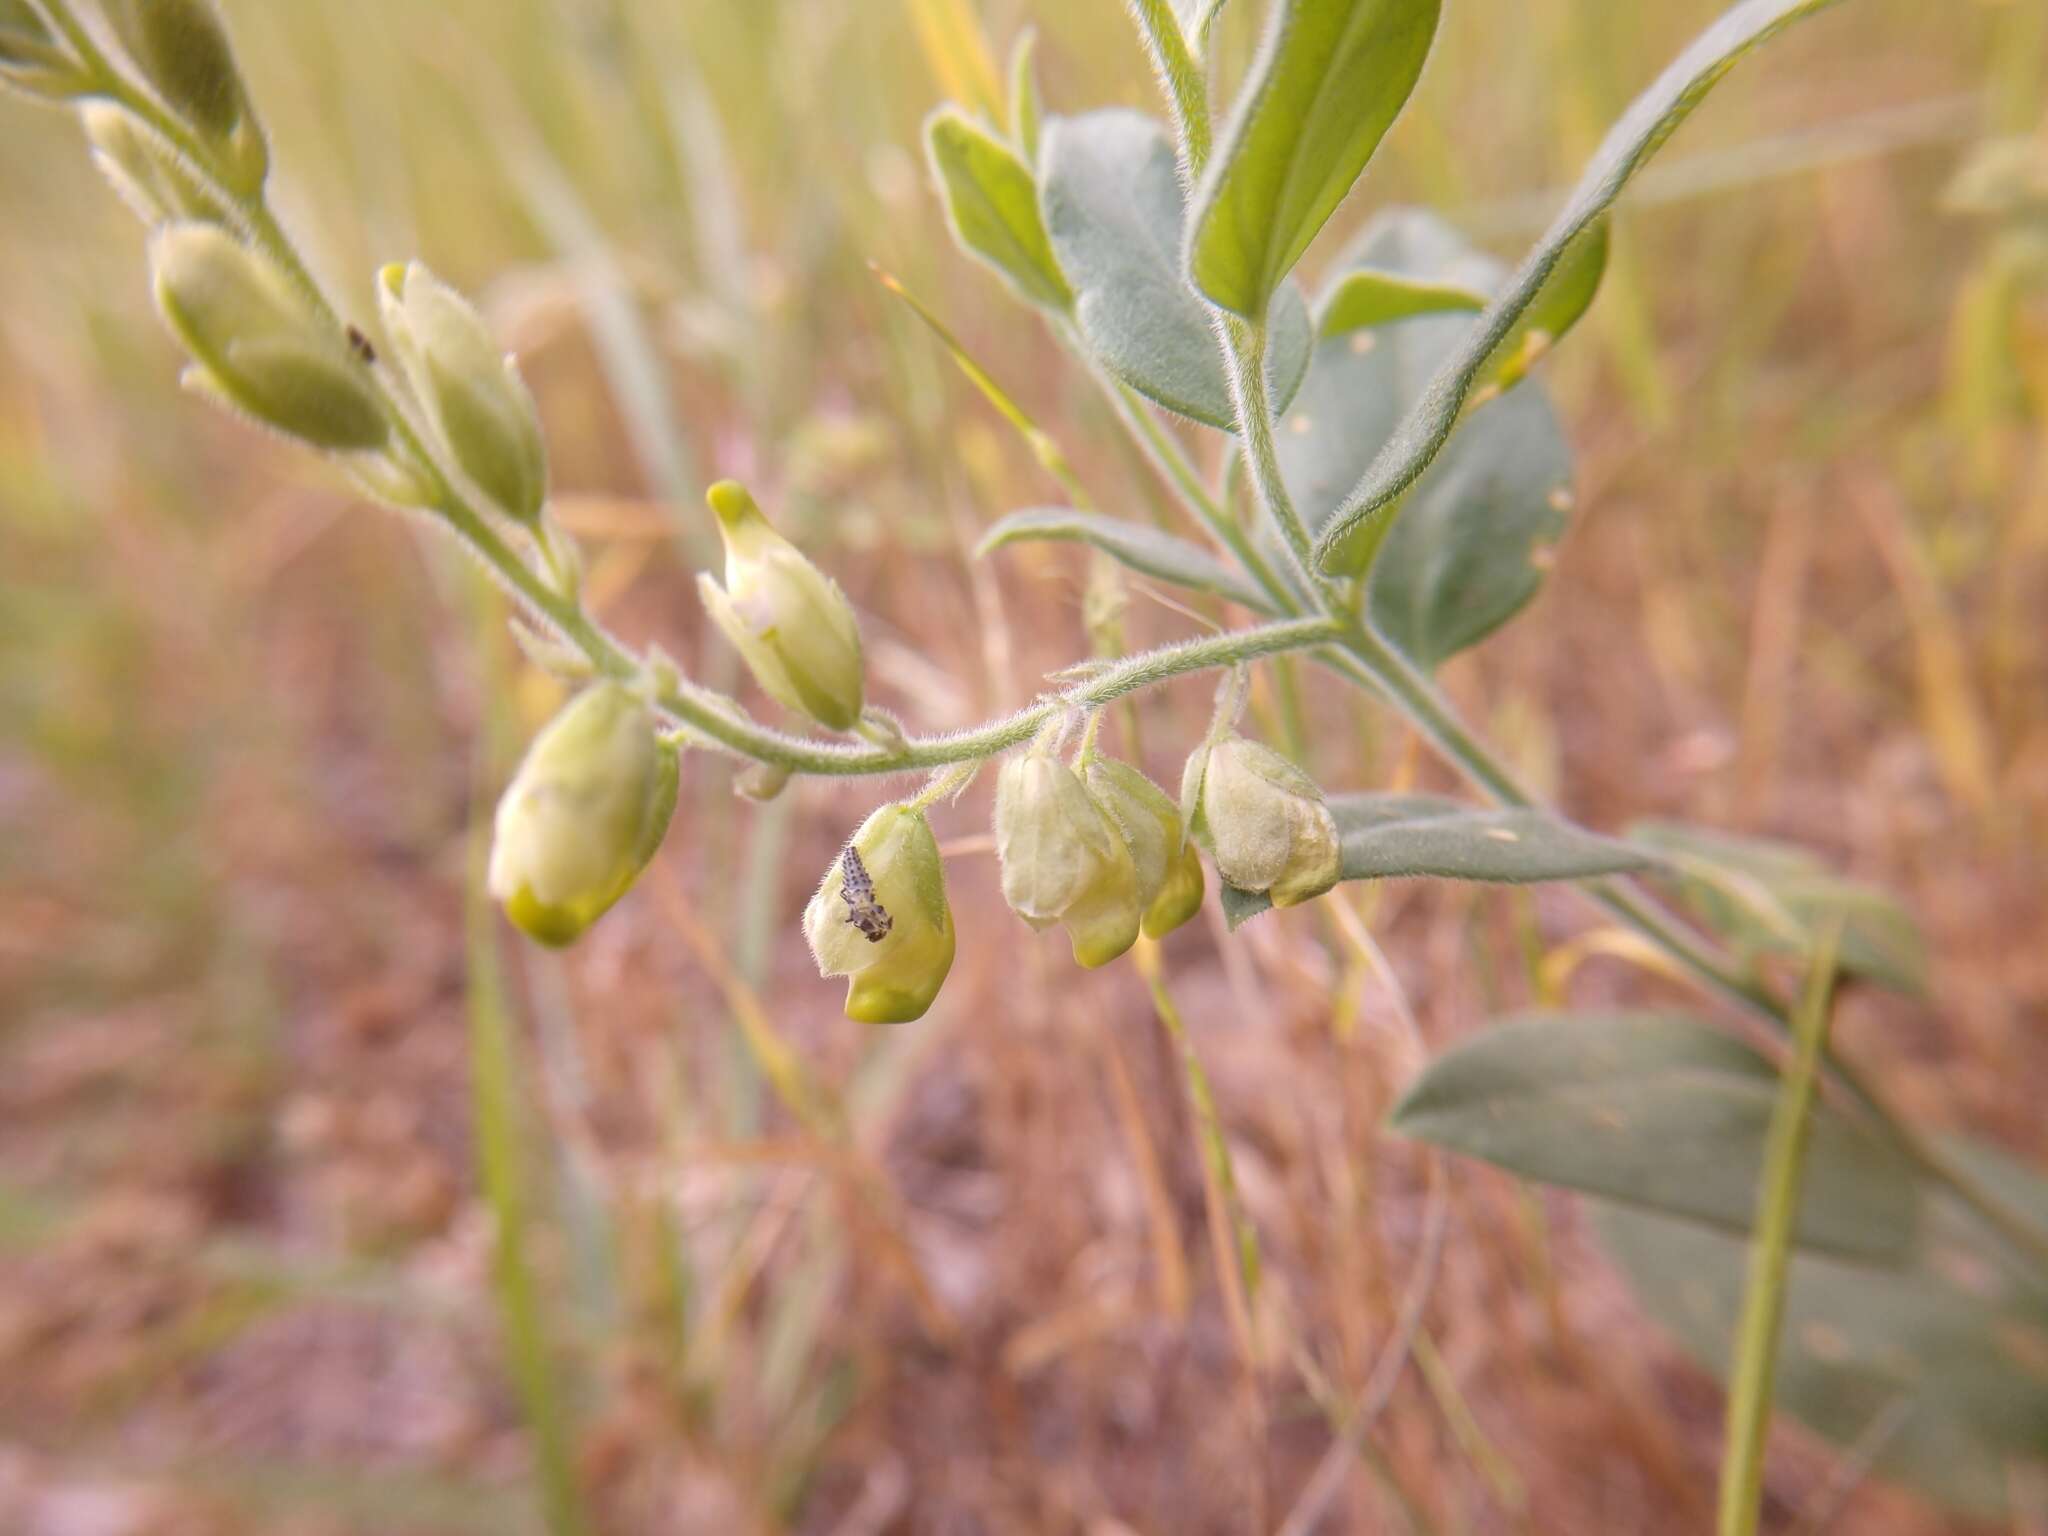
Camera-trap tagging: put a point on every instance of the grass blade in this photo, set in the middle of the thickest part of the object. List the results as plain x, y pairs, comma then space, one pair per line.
1770, 1253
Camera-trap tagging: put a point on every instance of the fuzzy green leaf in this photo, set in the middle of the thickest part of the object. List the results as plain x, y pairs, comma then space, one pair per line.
1772, 898
1660, 1111
1938, 1372
992, 205
1136, 545
1111, 194
1394, 836
1641, 131
1330, 78
1472, 540
1560, 303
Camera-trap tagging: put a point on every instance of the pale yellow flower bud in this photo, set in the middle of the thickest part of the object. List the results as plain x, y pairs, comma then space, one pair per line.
473, 392
880, 918
583, 816
258, 343
182, 50
789, 621
1170, 882
1063, 859
145, 170
1268, 826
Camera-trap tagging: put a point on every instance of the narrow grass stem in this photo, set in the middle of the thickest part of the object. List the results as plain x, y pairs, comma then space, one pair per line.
1753, 1376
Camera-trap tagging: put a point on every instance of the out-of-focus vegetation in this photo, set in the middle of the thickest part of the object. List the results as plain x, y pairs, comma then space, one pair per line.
997, 1270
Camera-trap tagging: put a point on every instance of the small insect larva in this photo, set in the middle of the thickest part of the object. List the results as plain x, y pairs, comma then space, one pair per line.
857, 890
359, 344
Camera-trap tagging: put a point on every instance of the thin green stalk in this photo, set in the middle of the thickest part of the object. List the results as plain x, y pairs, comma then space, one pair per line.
1770, 1251
501, 1172
1244, 353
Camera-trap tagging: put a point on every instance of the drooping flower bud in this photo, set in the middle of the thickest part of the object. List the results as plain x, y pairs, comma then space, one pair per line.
1267, 824
259, 344
1170, 882
880, 917
583, 816
32, 60
182, 50
1063, 859
472, 390
789, 621
148, 174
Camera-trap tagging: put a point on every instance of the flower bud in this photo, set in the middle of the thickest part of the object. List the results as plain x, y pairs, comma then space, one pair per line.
583, 816
1170, 882
31, 59
471, 389
1267, 824
146, 171
788, 620
182, 50
258, 343
880, 917
1064, 860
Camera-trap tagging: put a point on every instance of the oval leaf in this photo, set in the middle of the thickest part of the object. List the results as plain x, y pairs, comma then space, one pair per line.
1111, 196
1133, 544
1388, 837
1660, 1111
1473, 538
1330, 78
1944, 1388
1642, 130
1772, 898
992, 206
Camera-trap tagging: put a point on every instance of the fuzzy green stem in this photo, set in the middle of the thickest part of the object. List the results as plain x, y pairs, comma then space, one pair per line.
1244, 353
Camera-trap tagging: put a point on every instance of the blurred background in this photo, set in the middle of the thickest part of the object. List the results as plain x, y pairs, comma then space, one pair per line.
783, 1273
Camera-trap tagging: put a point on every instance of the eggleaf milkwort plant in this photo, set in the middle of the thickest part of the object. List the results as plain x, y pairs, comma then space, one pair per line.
1393, 523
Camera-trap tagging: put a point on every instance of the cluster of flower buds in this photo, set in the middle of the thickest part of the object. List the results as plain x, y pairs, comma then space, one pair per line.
584, 815
1100, 851
788, 620
1265, 822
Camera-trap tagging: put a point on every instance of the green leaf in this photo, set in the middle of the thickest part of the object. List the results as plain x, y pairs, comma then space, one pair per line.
1641, 131
1565, 296
1940, 1379
1330, 78
1136, 545
1111, 194
1771, 898
1472, 540
1388, 837
992, 205
1661, 1111
1366, 297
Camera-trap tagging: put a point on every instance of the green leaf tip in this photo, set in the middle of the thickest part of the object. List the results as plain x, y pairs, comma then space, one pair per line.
1330, 78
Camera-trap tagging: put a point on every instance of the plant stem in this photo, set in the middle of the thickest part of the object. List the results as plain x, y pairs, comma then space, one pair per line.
1770, 1252
1244, 353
